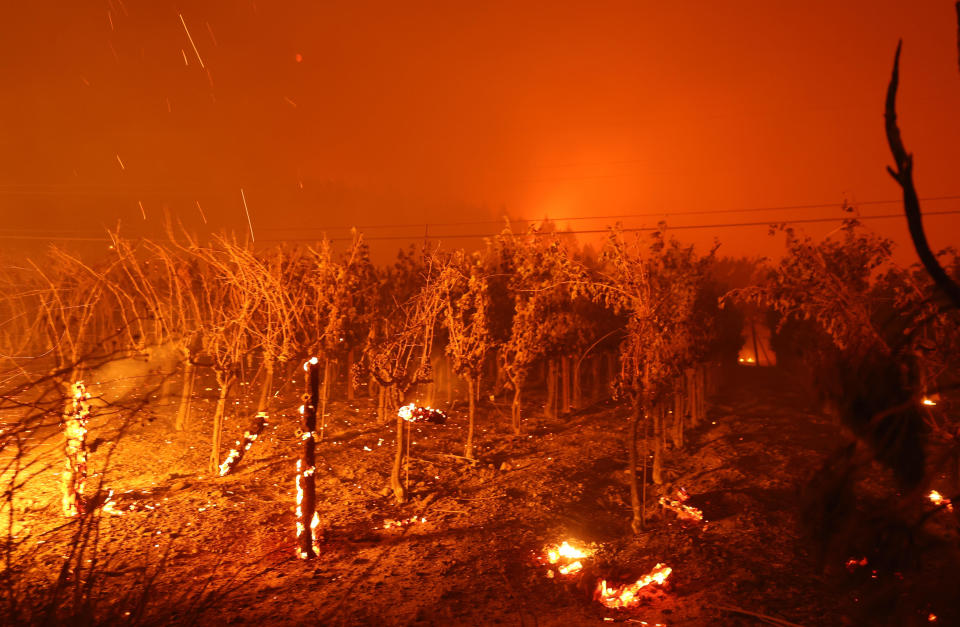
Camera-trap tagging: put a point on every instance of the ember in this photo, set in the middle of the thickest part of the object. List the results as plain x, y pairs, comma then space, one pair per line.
243, 445
415, 413
406, 522
627, 594
683, 512
937, 499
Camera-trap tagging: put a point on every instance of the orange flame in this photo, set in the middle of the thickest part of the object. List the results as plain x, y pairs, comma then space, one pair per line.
938, 499
389, 524
627, 594
565, 550
683, 511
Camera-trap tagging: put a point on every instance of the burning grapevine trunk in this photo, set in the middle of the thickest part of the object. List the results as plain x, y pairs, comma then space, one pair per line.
243, 445
306, 469
74, 477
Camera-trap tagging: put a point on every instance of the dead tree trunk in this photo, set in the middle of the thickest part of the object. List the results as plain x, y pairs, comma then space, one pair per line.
224, 380
515, 408
471, 384
635, 505
186, 396
324, 394
306, 468
264, 399
577, 392
678, 415
351, 391
658, 435
551, 374
395, 484
564, 385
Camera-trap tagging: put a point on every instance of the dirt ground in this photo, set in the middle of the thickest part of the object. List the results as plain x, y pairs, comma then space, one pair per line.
221, 550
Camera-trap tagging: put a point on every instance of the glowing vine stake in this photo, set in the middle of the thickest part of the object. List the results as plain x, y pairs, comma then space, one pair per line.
74, 478
306, 468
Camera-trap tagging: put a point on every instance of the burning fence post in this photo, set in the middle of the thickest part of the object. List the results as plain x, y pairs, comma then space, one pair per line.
74, 478
306, 468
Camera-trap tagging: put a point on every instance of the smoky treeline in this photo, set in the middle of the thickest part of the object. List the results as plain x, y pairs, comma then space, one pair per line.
533, 323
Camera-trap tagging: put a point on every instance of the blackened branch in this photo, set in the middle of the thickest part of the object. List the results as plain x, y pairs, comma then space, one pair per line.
911, 204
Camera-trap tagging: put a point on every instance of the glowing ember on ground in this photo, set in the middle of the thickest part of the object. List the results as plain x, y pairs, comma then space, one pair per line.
853, 563
627, 594
937, 499
394, 524
566, 551
683, 512
570, 568
415, 413
929, 402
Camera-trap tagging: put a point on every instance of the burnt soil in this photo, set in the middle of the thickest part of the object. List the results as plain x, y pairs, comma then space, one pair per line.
221, 550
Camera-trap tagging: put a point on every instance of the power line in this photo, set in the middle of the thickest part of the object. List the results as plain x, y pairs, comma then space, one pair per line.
612, 217
684, 227
634, 229
420, 225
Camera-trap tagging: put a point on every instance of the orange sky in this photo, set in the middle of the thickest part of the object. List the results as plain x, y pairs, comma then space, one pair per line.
406, 113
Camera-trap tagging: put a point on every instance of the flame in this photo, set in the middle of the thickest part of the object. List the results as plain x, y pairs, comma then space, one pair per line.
570, 568
853, 563
627, 594
938, 499
390, 524
929, 401
414, 413
683, 511
565, 550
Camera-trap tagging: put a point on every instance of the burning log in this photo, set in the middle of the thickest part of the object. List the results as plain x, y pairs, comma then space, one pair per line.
243, 445
74, 478
415, 413
678, 506
628, 595
306, 468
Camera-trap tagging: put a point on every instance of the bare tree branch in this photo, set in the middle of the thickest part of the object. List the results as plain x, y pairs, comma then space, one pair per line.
903, 175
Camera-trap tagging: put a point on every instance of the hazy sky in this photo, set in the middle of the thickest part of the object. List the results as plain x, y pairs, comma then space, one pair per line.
399, 113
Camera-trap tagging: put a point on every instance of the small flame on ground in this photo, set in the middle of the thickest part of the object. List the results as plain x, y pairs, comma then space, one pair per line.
627, 594
565, 550
938, 499
570, 568
929, 402
853, 563
415, 413
683, 511
393, 524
